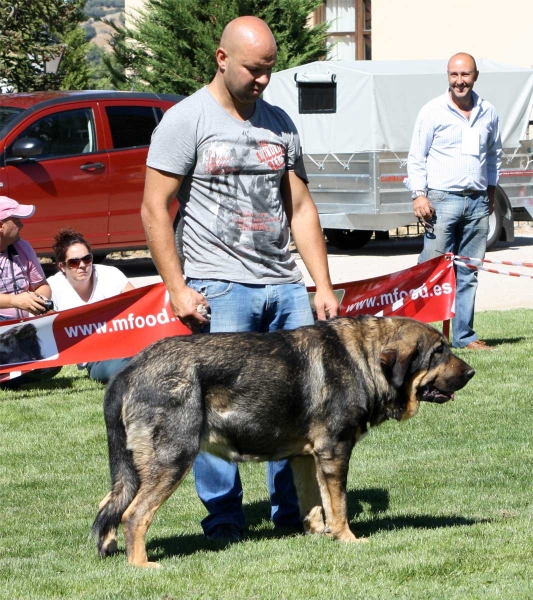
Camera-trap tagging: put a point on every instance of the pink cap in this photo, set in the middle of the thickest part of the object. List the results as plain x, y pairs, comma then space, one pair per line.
11, 208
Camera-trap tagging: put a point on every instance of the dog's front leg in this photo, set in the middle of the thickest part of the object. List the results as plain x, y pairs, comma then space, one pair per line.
332, 473
309, 498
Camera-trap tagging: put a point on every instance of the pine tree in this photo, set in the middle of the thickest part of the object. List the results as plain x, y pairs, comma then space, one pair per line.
75, 70
32, 33
171, 46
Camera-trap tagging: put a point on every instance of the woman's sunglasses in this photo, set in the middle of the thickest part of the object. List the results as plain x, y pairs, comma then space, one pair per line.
74, 263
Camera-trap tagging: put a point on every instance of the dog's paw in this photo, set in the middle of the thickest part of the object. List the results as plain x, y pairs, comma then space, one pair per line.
344, 535
108, 549
313, 522
149, 565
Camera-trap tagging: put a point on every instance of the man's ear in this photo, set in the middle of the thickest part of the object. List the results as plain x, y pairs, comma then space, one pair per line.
396, 362
222, 58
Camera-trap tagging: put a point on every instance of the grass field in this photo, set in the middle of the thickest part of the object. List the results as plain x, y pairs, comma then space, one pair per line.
445, 501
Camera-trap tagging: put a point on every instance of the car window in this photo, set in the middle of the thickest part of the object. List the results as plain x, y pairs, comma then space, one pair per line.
64, 133
7, 113
132, 126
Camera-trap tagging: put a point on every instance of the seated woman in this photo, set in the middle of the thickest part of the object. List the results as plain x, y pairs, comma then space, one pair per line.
80, 282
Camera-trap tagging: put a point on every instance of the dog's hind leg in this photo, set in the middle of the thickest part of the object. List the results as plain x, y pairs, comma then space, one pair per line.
309, 498
154, 490
332, 475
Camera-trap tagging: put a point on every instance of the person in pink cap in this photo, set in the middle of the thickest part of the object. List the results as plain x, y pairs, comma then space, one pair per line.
23, 286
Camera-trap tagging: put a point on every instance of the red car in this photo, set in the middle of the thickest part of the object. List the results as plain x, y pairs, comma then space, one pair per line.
79, 157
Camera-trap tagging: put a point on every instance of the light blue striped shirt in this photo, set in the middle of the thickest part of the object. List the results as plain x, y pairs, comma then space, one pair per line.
442, 154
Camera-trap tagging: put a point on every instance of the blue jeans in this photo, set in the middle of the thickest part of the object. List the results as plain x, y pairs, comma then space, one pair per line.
460, 225
239, 307
103, 370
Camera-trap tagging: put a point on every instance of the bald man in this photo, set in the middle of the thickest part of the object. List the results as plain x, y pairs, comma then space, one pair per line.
235, 163
453, 169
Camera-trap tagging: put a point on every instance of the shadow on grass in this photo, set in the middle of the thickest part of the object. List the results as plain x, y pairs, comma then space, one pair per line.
495, 342
30, 389
373, 526
259, 527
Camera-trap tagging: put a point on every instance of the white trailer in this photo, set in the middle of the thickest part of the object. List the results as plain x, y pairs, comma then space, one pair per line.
355, 120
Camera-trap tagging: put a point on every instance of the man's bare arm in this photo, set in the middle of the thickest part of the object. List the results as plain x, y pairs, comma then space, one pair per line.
309, 240
159, 191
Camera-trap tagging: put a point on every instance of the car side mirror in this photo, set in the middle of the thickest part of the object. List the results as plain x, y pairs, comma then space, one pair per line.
25, 149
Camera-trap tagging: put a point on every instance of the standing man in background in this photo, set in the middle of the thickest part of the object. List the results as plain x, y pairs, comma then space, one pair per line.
453, 169
236, 164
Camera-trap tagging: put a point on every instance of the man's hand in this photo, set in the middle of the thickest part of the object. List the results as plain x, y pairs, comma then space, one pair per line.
326, 304
30, 302
423, 208
185, 305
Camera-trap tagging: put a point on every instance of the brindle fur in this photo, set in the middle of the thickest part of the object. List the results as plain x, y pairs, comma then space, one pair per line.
307, 395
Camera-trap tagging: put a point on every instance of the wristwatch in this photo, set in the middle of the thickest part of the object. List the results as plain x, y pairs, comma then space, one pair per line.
417, 193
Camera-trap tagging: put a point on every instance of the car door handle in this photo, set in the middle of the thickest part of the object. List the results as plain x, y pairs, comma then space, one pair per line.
92, 166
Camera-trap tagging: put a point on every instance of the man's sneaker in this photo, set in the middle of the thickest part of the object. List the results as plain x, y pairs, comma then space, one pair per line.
225, 532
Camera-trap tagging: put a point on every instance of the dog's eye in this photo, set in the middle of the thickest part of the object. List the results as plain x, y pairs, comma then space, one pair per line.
439, 349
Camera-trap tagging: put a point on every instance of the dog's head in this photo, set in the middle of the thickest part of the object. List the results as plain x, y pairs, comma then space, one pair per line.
20, 344
418, 363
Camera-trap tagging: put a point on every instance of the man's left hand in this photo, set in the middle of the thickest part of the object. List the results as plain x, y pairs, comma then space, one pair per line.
326, 304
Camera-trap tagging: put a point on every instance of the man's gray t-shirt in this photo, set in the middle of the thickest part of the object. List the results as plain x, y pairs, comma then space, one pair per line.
235, 226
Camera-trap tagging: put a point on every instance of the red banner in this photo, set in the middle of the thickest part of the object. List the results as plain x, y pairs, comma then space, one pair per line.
123, 325
425, 292
114, 328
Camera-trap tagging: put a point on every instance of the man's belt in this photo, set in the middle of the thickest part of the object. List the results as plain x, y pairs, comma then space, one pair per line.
462, 192
469, 192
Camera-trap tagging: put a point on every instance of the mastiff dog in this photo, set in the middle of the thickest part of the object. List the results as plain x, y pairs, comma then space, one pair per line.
307, 395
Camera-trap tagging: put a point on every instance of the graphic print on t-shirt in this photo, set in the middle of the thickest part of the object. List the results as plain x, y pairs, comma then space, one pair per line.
245, 181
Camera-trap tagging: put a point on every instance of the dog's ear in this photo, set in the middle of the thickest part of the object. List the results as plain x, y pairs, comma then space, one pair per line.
396, 362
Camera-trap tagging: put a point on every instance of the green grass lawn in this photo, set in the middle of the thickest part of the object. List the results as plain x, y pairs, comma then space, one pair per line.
445, 501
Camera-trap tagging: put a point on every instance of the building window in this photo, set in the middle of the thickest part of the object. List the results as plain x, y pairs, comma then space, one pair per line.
350, 30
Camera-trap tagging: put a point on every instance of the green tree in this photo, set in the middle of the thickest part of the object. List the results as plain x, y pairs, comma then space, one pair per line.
100, 79
171, 46
32, 33
75, 70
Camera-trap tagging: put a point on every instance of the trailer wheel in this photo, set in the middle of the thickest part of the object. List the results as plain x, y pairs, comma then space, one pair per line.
348, 239
495, 225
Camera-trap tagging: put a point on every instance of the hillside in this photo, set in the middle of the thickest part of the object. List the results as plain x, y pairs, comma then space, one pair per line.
98, 32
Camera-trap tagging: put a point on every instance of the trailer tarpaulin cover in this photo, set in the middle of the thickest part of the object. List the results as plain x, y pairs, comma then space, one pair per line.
378, 101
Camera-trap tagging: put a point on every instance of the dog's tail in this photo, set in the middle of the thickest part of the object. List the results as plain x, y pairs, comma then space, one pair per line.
125, 480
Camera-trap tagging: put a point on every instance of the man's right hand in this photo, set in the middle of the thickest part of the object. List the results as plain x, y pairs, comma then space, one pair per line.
185, 303
423, 208
30, 302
